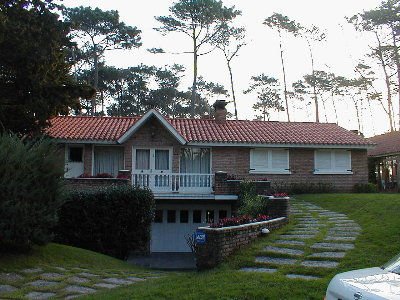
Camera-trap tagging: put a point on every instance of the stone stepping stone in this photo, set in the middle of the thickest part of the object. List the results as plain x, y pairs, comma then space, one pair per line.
51, 276
259, 270
303, 231
297, 236
332, 246
298, 276
328, 254
343, 233
76, 279
340, 238
275, 260
10, 277
79, 289
32, 270
319, 264
106, 285
60, 269
39, 295
290, 242
42, 283
284, 250
117, 281
85, 274
5, 288
135, 279
346, 228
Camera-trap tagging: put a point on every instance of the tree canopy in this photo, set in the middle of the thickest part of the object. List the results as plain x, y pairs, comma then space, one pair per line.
35, 80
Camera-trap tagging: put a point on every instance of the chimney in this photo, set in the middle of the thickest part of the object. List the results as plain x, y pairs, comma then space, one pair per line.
220, 111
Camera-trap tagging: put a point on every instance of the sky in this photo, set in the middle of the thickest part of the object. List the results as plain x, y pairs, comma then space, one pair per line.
339, 53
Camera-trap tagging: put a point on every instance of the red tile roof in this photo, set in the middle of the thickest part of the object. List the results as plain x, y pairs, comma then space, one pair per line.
386, 144
208, 130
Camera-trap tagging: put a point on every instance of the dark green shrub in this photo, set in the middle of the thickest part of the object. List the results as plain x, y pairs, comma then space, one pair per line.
249, 202
365, 188
30, 185
113, 221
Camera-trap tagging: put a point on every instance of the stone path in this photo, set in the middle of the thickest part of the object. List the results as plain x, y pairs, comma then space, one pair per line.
64, 283
318, 241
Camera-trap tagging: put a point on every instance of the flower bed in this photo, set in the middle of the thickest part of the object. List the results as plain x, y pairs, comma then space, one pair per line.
235, 221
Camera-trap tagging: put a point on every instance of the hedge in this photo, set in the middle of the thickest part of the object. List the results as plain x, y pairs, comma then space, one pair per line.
30, 191
114, 221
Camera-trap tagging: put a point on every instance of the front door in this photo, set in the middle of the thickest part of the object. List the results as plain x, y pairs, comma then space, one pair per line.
152, 168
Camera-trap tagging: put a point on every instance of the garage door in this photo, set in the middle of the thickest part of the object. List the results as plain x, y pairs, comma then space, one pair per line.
171, 226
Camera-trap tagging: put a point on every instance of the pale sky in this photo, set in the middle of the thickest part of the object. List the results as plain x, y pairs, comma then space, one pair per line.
339, 54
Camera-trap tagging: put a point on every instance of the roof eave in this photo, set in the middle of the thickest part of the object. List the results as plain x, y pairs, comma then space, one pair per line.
277, 145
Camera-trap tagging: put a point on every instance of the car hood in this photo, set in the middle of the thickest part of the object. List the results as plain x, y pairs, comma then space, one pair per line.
371, 283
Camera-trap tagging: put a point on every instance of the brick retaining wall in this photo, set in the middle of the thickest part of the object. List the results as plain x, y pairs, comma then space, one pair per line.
221, 242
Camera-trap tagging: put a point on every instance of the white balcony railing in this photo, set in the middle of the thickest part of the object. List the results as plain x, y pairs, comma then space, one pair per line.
175, 182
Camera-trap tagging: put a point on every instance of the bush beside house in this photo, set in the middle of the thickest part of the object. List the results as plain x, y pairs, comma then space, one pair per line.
30, 192
114, 221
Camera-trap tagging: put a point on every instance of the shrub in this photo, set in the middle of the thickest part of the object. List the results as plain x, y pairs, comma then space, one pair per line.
113, 221
303, 187
249, 202
365, 188
30, 195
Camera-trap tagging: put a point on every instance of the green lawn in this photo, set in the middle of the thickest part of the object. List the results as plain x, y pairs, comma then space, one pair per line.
378, 215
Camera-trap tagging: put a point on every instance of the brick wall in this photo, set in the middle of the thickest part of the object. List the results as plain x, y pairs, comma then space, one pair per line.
236, 161
221, 242
152, 134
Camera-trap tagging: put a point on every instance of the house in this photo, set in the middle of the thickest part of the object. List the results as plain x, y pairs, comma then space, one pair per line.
181, 160
384, 159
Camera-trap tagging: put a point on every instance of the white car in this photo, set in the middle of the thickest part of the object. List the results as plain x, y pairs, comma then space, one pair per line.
372, 283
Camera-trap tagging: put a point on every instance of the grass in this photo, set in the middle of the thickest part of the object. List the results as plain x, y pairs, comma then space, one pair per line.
377, 214
53, 255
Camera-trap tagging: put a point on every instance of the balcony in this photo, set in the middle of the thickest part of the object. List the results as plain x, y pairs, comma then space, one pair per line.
173, 183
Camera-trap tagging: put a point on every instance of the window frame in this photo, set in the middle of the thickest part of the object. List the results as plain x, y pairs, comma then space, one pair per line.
333, 171
268, 169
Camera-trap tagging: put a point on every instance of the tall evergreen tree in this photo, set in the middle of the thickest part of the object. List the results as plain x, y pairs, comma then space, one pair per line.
201, 21
34, 74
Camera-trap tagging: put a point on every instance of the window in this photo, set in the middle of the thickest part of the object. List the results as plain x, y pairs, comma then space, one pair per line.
269, 161
222, 214
195, 160
197, 216
210, 216
171, 216
332, 162
75, 154
108, 160
161, 159
184, 216
142, 159
158, 216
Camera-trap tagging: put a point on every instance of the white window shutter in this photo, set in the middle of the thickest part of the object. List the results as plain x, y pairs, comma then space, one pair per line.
280, 160
342, 160
258, 159
323, 160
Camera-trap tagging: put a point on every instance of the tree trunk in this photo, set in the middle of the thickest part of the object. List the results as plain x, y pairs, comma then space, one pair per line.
232, 88
96, 80
314, 88
284, 77
387, 81
334, 108
194, 86
326, 117
397, 61
357, 113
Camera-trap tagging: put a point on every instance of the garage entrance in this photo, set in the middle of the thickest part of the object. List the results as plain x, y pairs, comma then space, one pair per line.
173, 223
